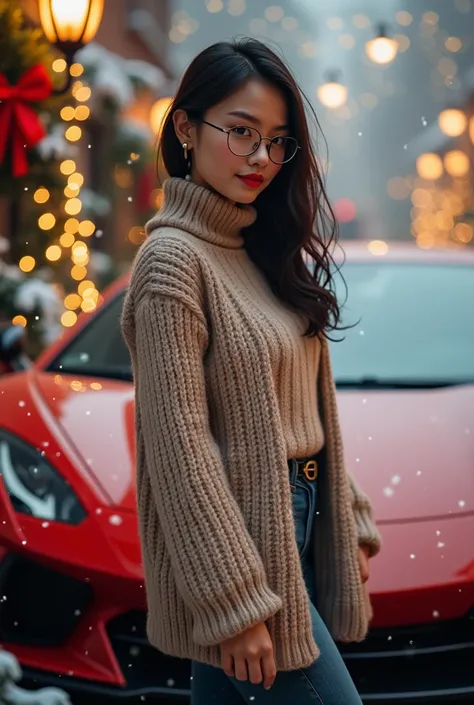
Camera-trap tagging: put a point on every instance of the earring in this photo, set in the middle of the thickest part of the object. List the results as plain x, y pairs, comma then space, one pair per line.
185, 149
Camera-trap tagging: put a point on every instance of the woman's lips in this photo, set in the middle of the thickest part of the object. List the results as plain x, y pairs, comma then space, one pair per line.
252, 182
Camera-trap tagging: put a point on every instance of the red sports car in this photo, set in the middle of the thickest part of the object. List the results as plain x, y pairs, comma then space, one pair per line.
72, 604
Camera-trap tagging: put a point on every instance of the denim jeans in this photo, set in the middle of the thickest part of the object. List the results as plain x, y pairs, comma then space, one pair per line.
326, 681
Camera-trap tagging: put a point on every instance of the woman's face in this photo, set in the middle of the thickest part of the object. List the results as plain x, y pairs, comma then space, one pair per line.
257, 105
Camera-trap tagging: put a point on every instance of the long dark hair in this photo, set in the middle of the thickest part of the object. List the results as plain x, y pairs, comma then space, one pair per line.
295, 219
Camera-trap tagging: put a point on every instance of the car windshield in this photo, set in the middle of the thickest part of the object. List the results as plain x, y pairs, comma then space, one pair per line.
416, 325
414, 328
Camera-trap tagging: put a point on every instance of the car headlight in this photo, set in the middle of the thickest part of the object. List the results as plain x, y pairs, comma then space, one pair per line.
34, 486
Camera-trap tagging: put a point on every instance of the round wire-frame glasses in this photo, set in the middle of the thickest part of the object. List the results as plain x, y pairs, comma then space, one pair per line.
243, 145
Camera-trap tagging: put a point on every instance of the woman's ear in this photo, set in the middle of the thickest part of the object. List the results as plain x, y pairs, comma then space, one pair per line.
183, 128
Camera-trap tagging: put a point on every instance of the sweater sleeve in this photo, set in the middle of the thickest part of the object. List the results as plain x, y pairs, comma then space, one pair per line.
366, 529
218, 570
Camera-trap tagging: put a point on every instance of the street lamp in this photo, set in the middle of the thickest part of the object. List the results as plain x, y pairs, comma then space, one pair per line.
382, 49
69, 25
332, 94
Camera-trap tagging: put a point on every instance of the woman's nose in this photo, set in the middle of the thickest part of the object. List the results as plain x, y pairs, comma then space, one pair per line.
261, 155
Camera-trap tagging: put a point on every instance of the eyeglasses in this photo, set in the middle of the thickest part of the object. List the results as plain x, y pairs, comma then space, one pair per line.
244, 141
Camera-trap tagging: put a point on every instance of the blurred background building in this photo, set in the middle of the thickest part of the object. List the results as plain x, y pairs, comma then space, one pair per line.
392, 84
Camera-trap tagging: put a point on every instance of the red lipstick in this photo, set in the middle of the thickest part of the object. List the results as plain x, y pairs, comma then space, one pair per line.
252, 180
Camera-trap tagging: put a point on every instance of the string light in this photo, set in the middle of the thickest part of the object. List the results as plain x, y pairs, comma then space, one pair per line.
53, 253
41, 195
27, 263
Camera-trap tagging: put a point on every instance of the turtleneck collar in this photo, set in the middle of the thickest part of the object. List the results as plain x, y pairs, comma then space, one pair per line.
203, 213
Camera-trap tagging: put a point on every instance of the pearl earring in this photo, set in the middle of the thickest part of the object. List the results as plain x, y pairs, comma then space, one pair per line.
185, 149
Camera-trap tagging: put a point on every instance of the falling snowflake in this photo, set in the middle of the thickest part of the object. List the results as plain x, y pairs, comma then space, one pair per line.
461, 503
115, 519
21, 403
435, 614
418, 473
396, 479
440, 544
424, 121
412, 555
45, 524
170, 682
388, 491
23, 543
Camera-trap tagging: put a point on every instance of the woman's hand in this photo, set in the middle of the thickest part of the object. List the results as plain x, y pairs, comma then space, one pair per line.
364, 563
249, 656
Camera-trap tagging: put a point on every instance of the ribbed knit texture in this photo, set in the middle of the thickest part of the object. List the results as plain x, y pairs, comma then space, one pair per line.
227, 389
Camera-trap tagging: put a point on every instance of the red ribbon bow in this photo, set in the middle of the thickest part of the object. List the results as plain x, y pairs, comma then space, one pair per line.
18, 120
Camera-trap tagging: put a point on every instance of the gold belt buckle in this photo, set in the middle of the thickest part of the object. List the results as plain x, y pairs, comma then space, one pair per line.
310, 470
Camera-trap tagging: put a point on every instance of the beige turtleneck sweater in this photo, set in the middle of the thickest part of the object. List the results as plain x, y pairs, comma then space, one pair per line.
227, 390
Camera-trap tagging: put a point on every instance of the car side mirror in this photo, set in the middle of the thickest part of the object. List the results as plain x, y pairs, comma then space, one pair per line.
13, 357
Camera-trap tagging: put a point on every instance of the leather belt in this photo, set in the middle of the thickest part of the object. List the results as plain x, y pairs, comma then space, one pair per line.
307, 467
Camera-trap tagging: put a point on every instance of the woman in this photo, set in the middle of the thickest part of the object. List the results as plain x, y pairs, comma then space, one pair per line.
237, 432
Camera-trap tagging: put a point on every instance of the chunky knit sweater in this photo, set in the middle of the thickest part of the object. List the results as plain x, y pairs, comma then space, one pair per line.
227, 389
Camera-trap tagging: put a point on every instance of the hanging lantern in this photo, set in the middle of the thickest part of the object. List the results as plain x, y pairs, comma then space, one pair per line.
332, 94
70, 24
382, 49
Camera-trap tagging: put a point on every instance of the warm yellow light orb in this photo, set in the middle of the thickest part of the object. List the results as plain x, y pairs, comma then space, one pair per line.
68, 319
158, 114
456, 163
46, 221
19, 321
27, 263
84, 286
53, 253
73, 206
67, 113
88, 305
86, 228
73, 133
82, 94
381, 50
41, 195
82, 112
76, 70
71, 225
452, 122
76, 178
71, 190
332, 95
66, 240
68, 166
72, 301
59, 65
78, 272
429, 166
377, 247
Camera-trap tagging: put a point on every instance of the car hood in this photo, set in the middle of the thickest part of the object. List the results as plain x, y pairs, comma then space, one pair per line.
411, 451
96, 416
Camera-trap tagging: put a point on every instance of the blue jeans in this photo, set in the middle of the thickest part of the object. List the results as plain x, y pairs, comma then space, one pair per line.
326, 681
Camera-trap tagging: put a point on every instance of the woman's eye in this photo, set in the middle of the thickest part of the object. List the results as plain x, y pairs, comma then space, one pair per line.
241, 131
279, 141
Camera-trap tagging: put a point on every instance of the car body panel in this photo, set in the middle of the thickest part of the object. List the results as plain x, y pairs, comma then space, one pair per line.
411, 450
